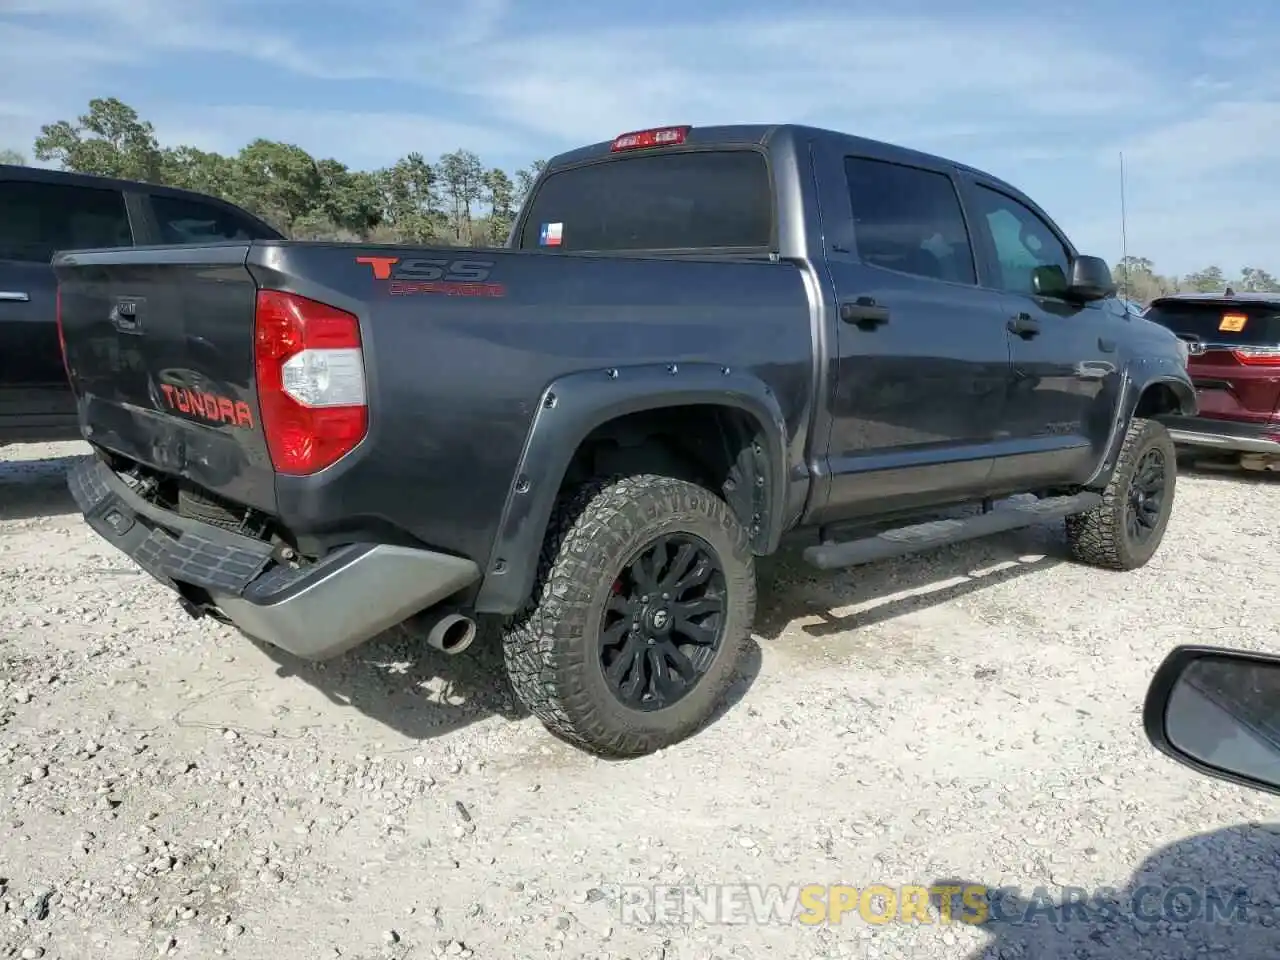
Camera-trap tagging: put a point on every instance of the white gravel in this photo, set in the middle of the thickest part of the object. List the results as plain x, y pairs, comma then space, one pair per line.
167, 788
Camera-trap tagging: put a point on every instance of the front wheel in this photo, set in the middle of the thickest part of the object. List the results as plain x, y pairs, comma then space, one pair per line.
1124, 531
639, 617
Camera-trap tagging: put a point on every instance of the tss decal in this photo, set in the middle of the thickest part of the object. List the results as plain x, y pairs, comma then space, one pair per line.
454, 278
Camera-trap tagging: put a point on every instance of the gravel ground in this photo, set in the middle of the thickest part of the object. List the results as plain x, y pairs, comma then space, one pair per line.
168, 788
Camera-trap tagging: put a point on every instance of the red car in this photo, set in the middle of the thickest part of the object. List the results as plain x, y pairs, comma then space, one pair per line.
1233, 343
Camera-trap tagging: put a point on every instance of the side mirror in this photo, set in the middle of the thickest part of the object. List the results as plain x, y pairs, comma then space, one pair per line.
1090, 280
1218, 712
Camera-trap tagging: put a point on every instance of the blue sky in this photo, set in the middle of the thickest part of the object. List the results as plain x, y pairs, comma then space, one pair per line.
1047, 101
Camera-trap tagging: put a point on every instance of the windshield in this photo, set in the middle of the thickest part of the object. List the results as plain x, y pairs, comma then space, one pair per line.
674, 201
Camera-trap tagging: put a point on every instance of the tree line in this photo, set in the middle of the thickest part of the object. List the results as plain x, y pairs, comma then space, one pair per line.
1137, 279
455, 200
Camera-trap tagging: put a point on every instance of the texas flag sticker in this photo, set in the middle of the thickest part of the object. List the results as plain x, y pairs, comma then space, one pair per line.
552, 234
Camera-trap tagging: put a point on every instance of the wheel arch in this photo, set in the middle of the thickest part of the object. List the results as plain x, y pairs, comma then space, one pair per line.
1150, 389
686, 420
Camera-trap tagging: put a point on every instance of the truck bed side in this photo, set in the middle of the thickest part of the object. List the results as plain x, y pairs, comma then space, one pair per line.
459, 369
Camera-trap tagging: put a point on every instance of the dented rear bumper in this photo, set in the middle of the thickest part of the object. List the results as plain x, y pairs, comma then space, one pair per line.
313, 612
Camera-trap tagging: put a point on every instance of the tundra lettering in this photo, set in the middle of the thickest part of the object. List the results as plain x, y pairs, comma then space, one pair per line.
210, 406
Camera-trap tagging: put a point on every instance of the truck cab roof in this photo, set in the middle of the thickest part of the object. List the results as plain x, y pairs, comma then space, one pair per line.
770, 134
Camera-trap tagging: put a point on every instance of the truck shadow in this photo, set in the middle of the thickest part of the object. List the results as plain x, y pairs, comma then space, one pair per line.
35, 488
400, 682
792, 592
1212, 894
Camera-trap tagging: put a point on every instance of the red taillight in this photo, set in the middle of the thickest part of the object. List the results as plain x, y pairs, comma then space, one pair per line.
658, 137
1257, 356
62, 339
311, 390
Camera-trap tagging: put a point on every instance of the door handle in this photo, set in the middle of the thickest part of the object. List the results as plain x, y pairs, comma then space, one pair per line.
1106, 346
1023, 326
864, 313
14, 296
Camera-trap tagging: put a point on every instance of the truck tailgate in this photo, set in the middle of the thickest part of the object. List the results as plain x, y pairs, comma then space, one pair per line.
160, 349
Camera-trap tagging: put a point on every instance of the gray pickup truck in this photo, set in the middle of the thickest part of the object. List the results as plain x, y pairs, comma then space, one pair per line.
697, 341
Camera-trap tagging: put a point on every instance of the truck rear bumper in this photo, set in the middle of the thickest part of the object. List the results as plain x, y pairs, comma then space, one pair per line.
1229, 436
315, 612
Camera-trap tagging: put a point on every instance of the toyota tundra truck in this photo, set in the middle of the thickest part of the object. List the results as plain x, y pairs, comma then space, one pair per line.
695, 342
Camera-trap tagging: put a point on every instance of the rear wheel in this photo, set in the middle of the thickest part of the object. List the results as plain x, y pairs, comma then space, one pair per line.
642, 608
1125, 530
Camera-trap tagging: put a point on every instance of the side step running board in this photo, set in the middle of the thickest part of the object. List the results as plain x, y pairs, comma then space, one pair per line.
938, 533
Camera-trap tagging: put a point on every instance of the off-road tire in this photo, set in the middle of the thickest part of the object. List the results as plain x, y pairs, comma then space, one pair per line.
551, 648
1100, 537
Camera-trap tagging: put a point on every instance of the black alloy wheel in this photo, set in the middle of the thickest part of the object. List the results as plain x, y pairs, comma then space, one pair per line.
1146, 495
663, 623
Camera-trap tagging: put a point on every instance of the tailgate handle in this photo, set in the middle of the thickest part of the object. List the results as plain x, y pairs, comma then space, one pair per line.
14, 296
124, 315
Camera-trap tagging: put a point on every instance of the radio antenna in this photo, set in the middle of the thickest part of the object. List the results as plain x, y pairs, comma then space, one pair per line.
1124, 231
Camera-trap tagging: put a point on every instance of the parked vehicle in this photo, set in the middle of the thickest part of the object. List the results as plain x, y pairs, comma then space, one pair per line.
1234, 345
699, 340
48, 210
1218, 712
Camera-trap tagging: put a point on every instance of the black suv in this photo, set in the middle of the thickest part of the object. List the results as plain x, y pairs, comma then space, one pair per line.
49, 210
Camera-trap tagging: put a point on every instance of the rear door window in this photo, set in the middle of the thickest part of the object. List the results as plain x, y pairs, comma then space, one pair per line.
663, 201
909, 219
37, 219
183, 220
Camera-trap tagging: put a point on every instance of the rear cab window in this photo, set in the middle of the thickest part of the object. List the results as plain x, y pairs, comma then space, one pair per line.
1227, 322
182, 220
42, 218
909, 219
688, 200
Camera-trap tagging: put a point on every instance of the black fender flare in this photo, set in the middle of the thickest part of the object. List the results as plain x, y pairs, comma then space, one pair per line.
574, 405
1140, 375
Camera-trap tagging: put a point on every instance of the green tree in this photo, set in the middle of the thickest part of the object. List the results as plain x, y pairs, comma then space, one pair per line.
194, 169
1208, 280
462, 178
1256, 280
350, 199
411, 202
279, 181
1136, 279
525, 180
500, 198
13, 157
110, 140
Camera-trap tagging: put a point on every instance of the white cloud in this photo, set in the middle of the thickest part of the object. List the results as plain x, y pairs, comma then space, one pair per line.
1222, 138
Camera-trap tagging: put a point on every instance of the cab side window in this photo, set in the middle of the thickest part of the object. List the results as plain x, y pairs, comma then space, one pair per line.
1023, 242
184, 221
39, 219
909, 219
